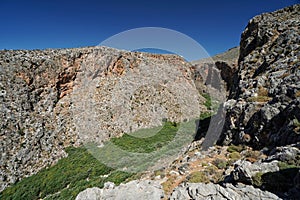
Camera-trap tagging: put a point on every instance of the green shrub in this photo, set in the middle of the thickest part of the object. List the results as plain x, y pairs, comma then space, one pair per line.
235, 155
198, 177
234, 148
205, 115
220, 163
285, 165
207, 103
257, 179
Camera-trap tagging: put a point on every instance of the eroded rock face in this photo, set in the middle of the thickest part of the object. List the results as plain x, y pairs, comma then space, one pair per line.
51, 99
263, 107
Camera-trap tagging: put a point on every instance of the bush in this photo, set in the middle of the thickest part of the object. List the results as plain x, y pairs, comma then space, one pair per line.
253, 156
234, 148
207, 103
257, 179
285, 165
234, 156
198, 177
220, 163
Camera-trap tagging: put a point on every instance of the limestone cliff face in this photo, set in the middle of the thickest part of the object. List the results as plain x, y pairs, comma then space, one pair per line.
263, 106
51, 99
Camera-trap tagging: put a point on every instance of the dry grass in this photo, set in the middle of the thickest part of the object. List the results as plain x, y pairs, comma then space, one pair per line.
262, 92
297, 93
262, 99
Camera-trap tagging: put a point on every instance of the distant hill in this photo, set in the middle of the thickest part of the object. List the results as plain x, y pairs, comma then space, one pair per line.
229, 56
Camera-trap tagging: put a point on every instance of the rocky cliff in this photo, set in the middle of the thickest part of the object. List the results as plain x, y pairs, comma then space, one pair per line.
51, 99
263, 106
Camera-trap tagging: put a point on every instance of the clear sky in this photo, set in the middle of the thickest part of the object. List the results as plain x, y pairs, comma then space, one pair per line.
215, 24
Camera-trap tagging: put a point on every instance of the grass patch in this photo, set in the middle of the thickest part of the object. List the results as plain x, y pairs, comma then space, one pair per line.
220, 163
285, 165
257, 179
296, 122
66, 179
262, 99
205, 115
262, 92
149, 144
207, 103
198, 177
168, 185
234, 156
233, 148
252, 155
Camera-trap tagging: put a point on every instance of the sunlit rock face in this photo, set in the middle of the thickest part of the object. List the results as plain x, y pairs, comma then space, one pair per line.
51, 99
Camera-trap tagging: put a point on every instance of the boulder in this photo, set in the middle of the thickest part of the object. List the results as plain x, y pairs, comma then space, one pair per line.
202, 191
130, 191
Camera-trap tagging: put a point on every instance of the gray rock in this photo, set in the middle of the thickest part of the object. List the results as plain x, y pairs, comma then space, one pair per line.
202, 191
90, 194
130, 191
267, 81
245, 170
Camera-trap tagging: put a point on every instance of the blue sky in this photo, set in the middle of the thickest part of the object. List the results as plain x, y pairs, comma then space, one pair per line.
215, 24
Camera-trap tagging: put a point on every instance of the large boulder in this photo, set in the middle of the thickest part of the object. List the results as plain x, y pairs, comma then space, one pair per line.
202, 191
130, 191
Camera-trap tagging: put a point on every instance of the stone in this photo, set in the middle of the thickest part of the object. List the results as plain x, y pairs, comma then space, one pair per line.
245, 170
202, 191
90, 194
130, 191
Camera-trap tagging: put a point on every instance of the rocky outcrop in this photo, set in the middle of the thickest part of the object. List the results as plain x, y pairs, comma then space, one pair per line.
263, 106
130, 191
245, 171
224, 64
212, 191
50, 99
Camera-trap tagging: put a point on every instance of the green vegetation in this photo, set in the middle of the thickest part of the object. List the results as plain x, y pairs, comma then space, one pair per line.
198, 177
81, 170
252, 155
208, 103
257, 179
220, 163
234, 156
285, 165
66, 179
296, 122
205, 115
233, 148
149, 144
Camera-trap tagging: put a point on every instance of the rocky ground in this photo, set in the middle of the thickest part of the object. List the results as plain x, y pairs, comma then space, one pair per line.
233, 172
